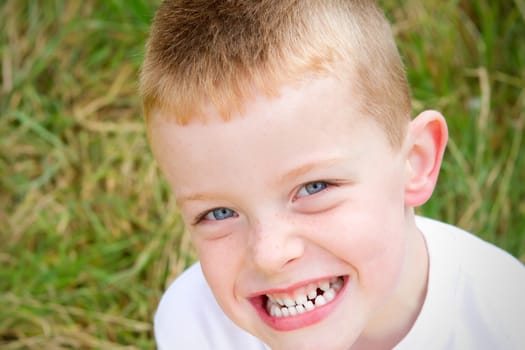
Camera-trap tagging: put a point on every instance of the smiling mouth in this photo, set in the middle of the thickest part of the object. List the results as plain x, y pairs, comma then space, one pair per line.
303, 300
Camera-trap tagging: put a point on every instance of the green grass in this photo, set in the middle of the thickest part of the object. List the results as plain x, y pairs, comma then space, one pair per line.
90, 234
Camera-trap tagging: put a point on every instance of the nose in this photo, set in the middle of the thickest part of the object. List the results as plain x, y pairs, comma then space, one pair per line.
276, 243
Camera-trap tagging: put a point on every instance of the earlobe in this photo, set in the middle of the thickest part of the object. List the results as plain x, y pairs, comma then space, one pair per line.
427, 138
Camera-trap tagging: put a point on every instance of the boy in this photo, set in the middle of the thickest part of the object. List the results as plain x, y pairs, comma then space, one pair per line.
284, 130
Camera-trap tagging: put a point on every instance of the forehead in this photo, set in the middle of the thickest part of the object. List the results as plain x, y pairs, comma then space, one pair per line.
338, 81
328, 98
314, 120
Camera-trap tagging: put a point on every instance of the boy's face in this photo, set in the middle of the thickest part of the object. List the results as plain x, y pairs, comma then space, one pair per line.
299, 201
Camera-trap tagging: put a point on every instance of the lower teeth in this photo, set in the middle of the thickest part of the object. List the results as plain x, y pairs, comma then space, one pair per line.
313, 301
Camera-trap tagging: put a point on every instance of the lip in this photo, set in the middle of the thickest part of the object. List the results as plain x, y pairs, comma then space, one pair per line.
291, 323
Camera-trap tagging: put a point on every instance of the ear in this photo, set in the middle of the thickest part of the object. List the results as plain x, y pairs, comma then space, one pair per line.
426, 141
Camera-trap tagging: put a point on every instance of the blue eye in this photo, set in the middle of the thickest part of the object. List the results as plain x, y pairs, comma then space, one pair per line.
219, 214
312, 188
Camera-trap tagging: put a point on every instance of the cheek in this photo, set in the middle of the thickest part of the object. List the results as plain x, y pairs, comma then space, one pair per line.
373, 242
220, 261
381, 258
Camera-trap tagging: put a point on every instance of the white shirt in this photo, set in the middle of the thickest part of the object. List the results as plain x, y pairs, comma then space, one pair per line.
475, 300
188, 317
475, 297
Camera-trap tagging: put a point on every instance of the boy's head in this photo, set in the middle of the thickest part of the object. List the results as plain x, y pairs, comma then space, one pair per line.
222, 53
283, 129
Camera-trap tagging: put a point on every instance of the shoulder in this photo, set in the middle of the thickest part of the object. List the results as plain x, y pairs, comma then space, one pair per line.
188, 317
177, 309
473, 256
486, 285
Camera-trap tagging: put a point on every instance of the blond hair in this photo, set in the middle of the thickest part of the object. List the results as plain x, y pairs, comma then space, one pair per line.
222, 52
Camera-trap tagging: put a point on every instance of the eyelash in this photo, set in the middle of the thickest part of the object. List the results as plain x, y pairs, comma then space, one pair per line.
202, 216
327, 185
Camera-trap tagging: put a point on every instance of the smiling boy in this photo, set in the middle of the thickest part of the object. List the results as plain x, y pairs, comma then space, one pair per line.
284, 130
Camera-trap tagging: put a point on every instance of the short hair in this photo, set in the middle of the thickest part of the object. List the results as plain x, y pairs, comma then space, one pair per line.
223, 51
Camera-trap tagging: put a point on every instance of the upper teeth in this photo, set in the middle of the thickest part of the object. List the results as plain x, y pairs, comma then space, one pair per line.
305, 299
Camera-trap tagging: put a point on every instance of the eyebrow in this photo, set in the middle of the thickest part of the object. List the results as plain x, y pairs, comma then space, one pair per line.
195, 197
308, 167
289, 176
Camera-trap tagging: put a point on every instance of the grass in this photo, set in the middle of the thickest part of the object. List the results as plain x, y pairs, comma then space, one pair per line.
90, 234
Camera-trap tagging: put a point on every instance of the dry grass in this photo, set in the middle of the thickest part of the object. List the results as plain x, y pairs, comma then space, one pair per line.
90, 234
